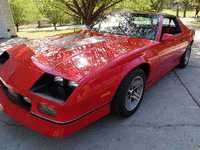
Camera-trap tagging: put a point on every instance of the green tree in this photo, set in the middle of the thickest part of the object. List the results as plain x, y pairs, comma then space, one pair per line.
20, 11
136, 5
177, 3
34, 11
153, 6
87, 10
197, 3
157, 5
185, 4
50, 12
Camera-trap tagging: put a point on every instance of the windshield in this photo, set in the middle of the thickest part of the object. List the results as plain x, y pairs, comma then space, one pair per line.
128, 24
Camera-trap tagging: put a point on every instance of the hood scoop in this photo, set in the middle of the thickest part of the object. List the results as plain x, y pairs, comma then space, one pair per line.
89, 40
66, 39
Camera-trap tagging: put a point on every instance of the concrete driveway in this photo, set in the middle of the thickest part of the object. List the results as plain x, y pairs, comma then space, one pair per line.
168, 118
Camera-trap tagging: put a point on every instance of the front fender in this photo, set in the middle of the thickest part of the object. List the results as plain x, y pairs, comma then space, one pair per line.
133, 64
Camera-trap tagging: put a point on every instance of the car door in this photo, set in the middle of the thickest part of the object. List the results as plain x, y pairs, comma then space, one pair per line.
169, 51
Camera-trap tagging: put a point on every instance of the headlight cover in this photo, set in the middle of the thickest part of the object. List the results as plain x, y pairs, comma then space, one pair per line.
53, 88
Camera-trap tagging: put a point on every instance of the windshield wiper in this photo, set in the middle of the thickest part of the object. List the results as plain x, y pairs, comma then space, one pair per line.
122, 30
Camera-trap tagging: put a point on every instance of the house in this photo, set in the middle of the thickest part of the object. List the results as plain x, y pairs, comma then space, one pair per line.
7, 26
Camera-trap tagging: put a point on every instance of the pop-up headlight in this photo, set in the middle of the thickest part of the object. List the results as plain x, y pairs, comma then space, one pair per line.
54, 88
65, 83
3, 58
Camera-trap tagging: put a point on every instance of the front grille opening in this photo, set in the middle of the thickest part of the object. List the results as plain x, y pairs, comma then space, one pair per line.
47, 88
3, 58
17, 98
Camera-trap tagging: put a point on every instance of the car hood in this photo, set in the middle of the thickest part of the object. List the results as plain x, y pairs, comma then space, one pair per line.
73, 56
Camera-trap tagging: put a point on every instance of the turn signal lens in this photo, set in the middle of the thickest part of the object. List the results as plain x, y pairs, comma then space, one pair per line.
47, 110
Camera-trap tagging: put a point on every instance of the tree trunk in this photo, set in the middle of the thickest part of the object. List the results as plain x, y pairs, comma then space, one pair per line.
88, 10
184, 13
54, 24
197, 11
17, 25
177, 10
39, 24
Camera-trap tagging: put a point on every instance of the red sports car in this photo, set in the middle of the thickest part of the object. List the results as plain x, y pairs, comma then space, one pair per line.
57, 85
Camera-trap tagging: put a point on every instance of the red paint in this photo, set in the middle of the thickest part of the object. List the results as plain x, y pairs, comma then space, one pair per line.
168, 37
98, 68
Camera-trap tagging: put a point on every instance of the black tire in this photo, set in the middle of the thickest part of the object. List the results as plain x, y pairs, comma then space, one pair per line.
129, 94
186, 57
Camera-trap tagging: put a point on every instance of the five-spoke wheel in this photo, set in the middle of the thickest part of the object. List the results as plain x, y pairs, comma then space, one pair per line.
134, 93
129, 94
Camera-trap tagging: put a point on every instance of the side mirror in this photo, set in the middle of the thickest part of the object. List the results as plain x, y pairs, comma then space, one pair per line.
168, 37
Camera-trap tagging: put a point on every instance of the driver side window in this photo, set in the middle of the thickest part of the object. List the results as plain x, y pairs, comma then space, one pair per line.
170, 26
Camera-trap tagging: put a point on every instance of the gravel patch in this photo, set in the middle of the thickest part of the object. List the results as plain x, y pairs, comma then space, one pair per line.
9, 43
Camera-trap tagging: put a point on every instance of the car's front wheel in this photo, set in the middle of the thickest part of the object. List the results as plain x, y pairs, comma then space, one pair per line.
185, 58
129, 94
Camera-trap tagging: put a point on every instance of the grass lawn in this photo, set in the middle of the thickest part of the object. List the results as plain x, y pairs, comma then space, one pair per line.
41, 34
195, 23
190, 13
32, 26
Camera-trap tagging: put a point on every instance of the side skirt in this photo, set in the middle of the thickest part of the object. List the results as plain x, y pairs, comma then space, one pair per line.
162, 73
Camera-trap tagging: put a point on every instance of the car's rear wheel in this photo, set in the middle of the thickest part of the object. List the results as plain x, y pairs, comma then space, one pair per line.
185, 58
129, 94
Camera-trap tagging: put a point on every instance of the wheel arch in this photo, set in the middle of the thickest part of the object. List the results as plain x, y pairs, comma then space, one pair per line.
146, 68
126, 72
137, 63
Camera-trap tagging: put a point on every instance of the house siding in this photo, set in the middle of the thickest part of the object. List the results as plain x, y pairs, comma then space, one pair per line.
3, 28
8, 16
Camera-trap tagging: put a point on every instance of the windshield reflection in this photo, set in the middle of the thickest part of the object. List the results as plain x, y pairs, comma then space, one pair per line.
129, 24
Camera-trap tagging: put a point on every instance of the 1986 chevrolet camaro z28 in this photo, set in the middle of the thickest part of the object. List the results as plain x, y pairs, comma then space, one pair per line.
57, 85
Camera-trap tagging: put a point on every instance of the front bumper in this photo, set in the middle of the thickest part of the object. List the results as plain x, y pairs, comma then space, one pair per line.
42, 126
